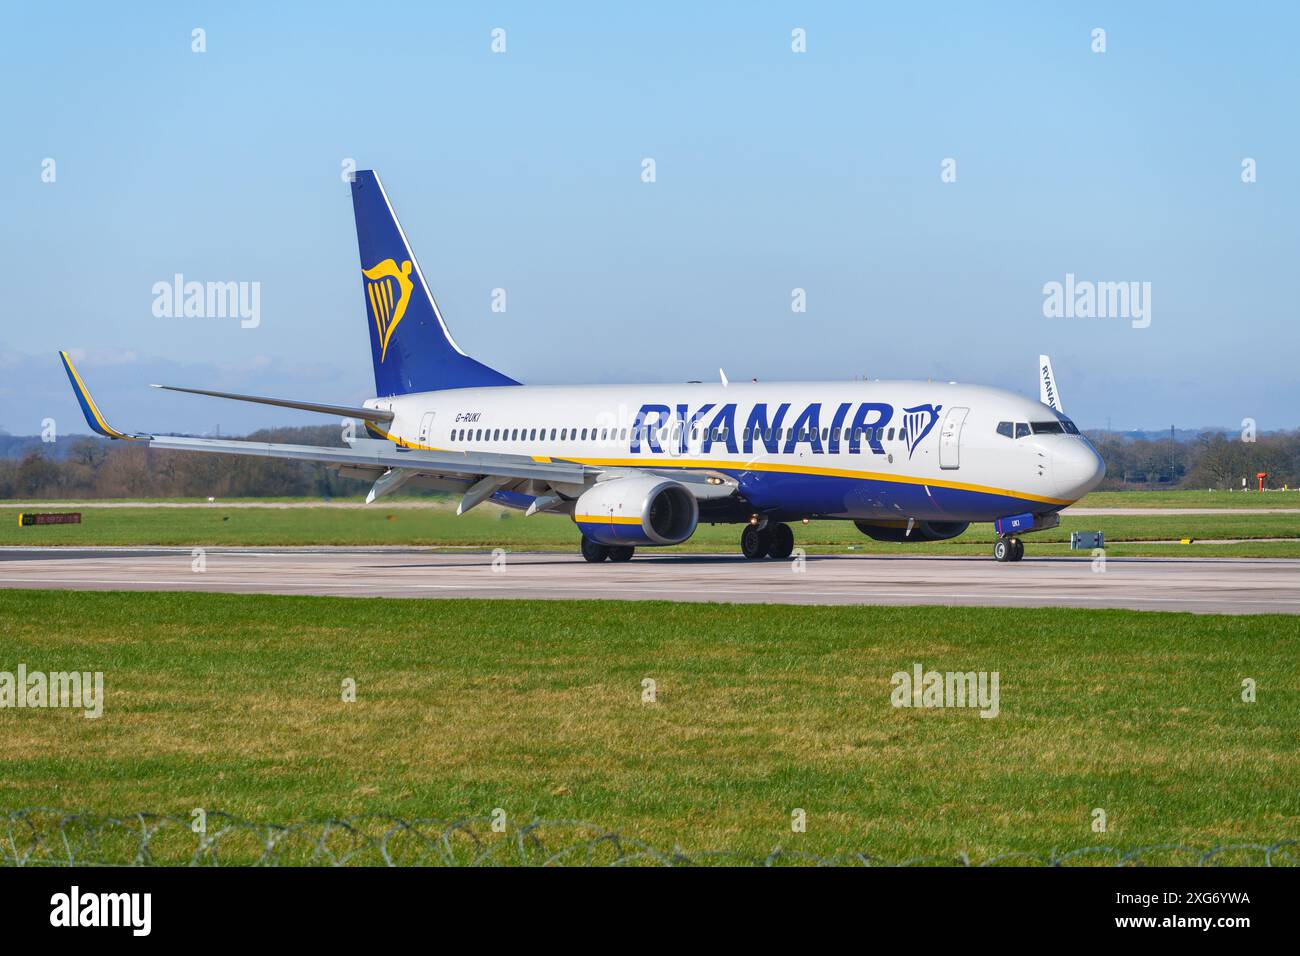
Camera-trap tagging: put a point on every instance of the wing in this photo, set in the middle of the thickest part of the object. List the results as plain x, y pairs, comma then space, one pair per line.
535, 482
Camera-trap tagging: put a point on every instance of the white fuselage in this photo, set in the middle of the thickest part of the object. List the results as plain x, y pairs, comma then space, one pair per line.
844, 450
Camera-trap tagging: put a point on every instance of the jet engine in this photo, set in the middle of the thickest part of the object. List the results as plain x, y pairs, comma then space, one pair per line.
637, 510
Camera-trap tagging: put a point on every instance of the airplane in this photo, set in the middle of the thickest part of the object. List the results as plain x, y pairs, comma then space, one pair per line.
643, 465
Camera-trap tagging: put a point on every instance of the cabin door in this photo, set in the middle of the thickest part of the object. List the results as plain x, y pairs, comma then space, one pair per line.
950, 438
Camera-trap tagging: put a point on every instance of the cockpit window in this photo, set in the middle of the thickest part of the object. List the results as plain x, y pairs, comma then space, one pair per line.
1069, 426
1022, 429
1047, 428
1005, 428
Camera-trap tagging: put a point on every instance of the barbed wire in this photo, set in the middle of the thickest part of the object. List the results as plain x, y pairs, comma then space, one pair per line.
43, 836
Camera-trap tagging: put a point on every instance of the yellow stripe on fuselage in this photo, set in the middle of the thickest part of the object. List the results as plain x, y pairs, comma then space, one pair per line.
376, 430
813, 470
773, 467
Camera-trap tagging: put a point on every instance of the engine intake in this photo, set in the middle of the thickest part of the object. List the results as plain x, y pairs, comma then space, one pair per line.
639, 510
896, 531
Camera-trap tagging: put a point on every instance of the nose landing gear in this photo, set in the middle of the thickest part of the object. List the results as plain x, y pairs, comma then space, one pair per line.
1008, 548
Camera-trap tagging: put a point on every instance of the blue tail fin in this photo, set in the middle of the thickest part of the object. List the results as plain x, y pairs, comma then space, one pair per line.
409, 343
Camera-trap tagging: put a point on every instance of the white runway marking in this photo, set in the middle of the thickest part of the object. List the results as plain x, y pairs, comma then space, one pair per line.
1211, 585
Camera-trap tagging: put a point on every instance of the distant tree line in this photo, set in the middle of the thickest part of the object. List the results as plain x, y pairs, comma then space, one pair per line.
92, 467
1211, 459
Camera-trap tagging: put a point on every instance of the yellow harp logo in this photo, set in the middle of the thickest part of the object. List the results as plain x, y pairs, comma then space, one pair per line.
389, 290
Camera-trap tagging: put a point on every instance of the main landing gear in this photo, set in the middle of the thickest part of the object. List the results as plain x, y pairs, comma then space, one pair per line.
596, 553
1008, 549
772, 541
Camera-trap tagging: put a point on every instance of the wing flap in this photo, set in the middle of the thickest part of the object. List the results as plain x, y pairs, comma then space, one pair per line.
373, 452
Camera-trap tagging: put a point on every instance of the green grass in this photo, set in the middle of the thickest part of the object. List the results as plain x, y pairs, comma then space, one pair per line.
1098, 499
434, 524
232, 702
1191, 499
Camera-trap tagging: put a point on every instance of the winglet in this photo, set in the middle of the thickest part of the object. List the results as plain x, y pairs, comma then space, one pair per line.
1048, 393
88, 407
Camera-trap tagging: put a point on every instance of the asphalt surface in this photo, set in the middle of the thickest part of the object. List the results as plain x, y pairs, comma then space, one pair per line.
1201, 585
406, 503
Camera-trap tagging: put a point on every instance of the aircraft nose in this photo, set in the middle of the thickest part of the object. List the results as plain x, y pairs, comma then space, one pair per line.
1076, 468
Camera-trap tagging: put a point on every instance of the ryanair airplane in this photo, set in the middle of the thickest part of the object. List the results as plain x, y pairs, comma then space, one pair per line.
643, 465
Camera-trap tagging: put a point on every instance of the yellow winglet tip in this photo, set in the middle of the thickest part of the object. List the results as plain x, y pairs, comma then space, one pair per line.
89, 409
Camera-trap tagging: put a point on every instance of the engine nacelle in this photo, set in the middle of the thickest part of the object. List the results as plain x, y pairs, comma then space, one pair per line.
896, 531
637, 510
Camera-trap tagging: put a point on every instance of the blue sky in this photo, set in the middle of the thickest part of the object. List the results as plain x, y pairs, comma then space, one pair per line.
775, 170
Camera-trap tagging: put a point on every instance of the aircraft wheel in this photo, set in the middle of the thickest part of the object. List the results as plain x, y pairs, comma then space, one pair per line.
1002, 549
1017, 549
593, 552
782, 542
621, 552
754, 544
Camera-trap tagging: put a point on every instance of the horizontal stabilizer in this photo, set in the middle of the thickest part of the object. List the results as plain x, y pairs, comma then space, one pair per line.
348, 411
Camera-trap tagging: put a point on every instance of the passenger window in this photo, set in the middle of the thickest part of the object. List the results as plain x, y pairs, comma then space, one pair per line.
891, 434
584, 434
1022, 429
1004, 428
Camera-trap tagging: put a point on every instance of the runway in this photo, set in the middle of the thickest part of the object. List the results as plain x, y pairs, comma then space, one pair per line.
1073, 511
1200, 585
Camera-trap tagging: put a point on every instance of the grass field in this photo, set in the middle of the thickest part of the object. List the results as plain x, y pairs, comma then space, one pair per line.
234, 703
1098, 499
1191, 499
434, 524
